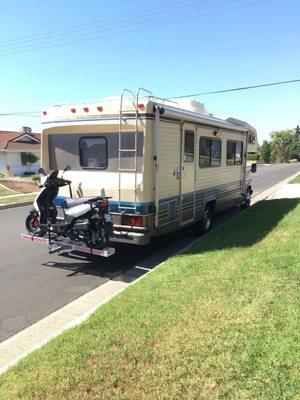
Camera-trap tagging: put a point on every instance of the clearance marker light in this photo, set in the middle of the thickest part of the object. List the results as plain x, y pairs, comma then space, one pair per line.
100, 109
86, 109
73, 110
44, 112
141, 106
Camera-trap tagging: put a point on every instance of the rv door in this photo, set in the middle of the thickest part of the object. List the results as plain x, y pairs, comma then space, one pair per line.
187, 192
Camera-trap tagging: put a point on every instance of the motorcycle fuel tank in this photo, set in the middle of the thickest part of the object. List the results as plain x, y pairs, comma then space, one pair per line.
77, 211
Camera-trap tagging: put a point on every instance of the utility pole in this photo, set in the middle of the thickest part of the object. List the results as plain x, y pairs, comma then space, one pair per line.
297, 132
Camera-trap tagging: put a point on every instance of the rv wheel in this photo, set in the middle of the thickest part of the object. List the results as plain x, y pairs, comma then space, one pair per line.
205, 224
206, 221
247, 199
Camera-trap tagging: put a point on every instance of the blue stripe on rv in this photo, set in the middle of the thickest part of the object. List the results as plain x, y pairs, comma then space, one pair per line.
142, 208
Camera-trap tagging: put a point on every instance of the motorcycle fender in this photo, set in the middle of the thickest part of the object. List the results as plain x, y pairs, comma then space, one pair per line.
34, 213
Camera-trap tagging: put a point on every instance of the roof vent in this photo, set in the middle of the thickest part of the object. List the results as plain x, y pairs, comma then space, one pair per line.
192, 105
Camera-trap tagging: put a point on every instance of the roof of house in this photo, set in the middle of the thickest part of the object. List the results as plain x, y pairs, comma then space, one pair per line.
19, 141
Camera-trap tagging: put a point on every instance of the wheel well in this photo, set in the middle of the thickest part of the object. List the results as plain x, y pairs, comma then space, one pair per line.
211, 205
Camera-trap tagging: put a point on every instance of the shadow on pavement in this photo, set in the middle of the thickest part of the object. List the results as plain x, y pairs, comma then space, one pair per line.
138, 259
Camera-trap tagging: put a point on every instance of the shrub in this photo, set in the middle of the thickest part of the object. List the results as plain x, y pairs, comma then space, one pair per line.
36, 178
253, 157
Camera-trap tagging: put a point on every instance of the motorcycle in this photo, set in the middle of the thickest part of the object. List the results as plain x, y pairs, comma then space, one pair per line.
86, 219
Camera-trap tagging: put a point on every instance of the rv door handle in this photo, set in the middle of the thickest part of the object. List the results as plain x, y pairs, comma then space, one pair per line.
176, 173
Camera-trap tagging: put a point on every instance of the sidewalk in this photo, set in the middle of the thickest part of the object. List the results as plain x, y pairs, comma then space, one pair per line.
288, 191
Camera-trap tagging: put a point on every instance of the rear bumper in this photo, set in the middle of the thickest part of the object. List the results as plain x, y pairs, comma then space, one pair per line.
138, 238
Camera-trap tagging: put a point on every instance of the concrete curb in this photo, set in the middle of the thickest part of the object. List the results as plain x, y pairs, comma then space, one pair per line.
74, 313
24, 203
6, 206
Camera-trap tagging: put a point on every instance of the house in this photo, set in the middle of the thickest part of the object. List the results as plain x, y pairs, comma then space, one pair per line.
13, 146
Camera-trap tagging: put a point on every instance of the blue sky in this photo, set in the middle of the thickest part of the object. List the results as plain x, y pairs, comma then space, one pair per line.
238, 47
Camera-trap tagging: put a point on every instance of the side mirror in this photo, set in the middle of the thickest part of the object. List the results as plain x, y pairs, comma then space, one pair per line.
42, 171
67, 168
253, 168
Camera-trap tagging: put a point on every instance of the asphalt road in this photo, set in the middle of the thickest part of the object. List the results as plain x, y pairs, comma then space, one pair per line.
33, 283
269, 175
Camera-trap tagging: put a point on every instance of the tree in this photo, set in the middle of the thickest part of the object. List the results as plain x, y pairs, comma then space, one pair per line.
265, 151
284, 145
29, 158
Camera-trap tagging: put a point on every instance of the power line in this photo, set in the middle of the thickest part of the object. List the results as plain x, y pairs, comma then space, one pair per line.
237, 89
107, 27
183, 96
117, 27
20, 113
74, 27
139, 28
107, 21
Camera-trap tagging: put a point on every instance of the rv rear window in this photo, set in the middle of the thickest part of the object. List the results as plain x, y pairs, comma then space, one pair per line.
234, 153
189, 146
209, 152
93, 152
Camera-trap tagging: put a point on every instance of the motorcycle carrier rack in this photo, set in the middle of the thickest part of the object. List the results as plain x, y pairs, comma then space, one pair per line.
63, 244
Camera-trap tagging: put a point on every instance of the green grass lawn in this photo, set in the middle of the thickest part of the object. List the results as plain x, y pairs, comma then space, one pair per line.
218, 322
6, 192
296, 179
16, 200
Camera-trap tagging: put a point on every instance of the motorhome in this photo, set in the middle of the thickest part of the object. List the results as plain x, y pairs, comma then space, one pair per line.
165, 164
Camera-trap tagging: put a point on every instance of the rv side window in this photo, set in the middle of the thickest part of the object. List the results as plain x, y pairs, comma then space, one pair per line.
204, 156
215, 160
189, 146
234, 153
93, 152
251, 138
209, 152
230, 153
238, 153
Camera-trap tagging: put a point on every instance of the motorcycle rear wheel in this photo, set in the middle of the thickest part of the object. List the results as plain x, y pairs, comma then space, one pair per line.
33, 227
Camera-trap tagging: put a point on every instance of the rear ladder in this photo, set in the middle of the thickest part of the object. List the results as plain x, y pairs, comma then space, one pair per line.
131, 151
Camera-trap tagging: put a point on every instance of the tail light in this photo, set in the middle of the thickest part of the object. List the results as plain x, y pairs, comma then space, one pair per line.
133, 220
103, 204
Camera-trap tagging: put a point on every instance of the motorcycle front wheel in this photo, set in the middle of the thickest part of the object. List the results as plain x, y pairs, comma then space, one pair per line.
32, 225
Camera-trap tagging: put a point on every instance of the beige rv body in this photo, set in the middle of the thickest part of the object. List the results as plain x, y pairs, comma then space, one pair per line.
157, 182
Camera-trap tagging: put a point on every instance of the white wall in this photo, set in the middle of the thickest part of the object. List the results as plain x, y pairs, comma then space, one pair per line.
2, 163
13, 159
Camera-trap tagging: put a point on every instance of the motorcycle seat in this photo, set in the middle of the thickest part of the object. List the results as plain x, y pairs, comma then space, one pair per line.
68, 203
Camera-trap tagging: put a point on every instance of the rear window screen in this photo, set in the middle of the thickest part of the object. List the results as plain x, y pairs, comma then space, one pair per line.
93, 152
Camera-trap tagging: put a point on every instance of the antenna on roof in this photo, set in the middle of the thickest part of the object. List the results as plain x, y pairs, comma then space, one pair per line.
26, 129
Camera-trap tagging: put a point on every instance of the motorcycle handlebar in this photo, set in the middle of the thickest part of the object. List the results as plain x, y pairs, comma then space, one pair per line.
57, 181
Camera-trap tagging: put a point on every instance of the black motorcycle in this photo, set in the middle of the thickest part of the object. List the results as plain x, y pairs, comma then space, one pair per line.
85, 219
